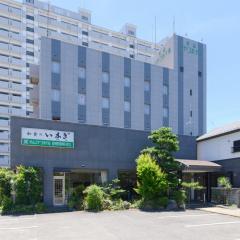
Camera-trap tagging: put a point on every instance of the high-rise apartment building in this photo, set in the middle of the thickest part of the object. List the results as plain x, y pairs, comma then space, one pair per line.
158, 85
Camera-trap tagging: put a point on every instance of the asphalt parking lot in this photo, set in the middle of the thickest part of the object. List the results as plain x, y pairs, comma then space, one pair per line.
124, 225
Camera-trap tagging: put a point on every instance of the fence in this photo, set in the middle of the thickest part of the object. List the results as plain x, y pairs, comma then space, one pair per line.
219, 194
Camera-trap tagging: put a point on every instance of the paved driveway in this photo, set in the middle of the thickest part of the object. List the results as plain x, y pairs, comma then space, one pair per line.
124, 225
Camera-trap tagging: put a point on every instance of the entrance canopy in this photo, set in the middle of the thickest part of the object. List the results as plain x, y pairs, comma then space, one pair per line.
199, 166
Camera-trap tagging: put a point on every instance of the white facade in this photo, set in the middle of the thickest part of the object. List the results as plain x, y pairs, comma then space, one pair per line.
23, 24
219, 143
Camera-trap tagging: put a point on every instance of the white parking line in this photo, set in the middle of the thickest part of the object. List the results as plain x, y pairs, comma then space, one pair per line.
212, 224
19, 228
190, 215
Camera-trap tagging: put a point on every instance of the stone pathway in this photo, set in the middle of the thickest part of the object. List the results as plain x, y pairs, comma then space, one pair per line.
235, 212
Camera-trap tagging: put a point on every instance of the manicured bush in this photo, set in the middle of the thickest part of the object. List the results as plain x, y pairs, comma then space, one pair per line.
180, 197
76, 198
163, 202
7, 205
94, 198
28, 186
151, 183
40, 208
6, 177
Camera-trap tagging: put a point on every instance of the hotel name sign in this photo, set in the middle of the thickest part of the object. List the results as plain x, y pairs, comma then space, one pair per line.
47, 138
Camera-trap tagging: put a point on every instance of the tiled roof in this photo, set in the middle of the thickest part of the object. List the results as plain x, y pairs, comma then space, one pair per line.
232, 127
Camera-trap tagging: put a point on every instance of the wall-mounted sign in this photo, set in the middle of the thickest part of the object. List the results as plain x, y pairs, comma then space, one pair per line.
190, 47
47, 138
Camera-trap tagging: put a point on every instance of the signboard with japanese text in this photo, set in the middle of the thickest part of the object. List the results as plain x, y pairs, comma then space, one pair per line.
47, 138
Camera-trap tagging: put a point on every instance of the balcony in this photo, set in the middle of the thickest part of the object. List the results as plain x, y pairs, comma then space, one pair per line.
4, 161
4, 123
4, 98
11, 86
4, 136
4, 148
7, 111
16, 99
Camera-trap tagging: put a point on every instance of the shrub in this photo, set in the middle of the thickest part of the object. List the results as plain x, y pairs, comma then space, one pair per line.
6, 176
224, 182
152, 182
163, 202
28, 185
76, 198
23, 209
94, 198
113, 190
180, 197
40, 208
120, 205
7, 205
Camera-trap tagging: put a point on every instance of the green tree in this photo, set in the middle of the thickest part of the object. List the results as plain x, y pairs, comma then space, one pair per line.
6, 177
165, 145
28, 185
224, 182
151, 181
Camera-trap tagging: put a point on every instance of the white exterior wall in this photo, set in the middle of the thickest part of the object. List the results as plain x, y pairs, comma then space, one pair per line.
218, 148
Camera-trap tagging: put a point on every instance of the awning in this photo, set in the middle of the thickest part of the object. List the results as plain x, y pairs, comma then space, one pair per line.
199, 166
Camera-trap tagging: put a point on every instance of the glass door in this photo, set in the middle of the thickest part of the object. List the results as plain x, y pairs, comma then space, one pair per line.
59, 190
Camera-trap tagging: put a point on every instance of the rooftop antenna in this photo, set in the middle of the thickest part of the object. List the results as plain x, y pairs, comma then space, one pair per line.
155, 31
174, 25
48, 18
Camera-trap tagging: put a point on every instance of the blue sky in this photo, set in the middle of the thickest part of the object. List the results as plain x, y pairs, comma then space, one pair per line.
217, 22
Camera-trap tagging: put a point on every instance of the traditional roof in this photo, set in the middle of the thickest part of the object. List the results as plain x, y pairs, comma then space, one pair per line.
199, 165
224, 130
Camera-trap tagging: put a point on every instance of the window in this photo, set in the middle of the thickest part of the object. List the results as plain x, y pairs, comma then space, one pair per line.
105, 103
85, 33
85, 44
190, 92
146, 86
127, 106
165, 90
29, 29
81, 72
30, 53
165, 112
191, 113
55, 95
127, 82
200, 74
181, 69
27, 64
84, 18
105, 77
55, 67
131, 46
147, 109
131, 56
30, 41
82, 99
30, 17
236, 146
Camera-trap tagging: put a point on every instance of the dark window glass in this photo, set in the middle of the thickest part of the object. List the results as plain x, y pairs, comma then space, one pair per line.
181, 69
85, 33
85, 44
131, 56
30, 41
27, 64
131, 46
30, 17
236, 146
30, 53
200, 74
29, 29
191, 114
190, 92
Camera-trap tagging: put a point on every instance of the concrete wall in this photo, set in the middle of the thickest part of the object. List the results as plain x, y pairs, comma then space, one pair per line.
102, 148
179, 103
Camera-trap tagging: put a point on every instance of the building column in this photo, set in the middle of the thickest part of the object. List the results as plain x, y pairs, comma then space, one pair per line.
48, 186
209, 187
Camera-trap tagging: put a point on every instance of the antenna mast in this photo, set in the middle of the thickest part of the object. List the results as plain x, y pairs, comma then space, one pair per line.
155, 30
